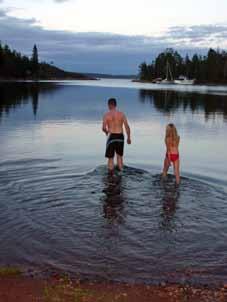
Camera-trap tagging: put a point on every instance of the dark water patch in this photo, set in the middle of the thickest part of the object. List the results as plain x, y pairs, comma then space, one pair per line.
27, 162
130, 226
211, 181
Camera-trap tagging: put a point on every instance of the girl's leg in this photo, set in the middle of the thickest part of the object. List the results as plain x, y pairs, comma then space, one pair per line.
166, 167
176, 166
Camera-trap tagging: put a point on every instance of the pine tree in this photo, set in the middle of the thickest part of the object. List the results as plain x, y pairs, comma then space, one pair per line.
35, 61
144, 73
1, 57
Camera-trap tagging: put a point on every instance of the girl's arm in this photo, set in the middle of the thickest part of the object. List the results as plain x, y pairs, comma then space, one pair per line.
167, 148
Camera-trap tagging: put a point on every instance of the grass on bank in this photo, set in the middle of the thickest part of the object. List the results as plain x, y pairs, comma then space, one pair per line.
9, 271
66, 291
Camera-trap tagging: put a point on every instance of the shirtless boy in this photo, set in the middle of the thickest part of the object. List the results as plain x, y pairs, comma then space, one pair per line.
113, 122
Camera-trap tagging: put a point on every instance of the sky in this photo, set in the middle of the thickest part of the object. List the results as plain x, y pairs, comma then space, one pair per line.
111, 36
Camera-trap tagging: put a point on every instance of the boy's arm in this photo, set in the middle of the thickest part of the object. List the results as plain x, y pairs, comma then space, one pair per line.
104, 125
127, 129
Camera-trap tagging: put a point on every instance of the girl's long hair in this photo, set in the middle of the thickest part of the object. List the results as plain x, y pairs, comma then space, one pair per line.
171, 133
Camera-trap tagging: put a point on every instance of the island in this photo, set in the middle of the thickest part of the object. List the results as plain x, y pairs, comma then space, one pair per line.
15, 66
170, 67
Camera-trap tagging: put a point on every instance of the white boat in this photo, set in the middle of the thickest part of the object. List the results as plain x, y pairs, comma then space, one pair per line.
157, 81
182, 80
166, 81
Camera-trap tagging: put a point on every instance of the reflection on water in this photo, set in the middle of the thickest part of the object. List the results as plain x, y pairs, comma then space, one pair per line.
16, 94
114, 199
165, 101
171, 101
171, 195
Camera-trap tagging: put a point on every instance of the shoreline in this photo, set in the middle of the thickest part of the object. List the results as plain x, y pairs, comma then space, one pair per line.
61, 288
195, 84
49, 79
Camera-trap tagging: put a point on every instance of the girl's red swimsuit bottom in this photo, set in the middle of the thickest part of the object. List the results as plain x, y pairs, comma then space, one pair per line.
173, 156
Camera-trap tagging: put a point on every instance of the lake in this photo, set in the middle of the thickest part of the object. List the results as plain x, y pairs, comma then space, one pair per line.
62, 212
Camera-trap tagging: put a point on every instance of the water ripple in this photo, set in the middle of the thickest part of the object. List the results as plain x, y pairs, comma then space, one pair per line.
129, 226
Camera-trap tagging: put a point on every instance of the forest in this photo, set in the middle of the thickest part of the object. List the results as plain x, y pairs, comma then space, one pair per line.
14, 65
209, 68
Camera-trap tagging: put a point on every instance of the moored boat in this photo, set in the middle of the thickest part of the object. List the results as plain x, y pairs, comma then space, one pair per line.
182, 80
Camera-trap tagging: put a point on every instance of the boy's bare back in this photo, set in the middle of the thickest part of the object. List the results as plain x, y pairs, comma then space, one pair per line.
114, 121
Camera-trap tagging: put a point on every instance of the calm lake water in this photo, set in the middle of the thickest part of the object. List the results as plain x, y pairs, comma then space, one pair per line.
62, 212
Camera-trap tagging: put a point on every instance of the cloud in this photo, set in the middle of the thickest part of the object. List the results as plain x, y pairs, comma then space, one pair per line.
199, 34
61, 1
102, 52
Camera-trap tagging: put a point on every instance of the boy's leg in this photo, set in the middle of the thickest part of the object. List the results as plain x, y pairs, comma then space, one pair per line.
119, 149
176, 166
111, 164
166, 167
120, 162
110, 155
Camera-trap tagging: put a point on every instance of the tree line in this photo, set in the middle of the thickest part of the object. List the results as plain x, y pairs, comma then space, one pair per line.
14, 65
210, 68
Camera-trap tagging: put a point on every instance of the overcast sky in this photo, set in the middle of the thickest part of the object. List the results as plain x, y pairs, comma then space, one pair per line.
111, 36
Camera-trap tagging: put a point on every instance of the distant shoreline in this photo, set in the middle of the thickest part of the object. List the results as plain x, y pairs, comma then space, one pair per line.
196, 83
47, 79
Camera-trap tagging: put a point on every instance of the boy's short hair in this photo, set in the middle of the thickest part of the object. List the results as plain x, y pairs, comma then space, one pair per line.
112, 102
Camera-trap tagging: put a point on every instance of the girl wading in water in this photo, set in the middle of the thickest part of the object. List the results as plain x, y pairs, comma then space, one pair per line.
172, 140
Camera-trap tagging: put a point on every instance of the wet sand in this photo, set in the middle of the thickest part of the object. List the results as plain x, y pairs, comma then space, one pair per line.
24, 289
